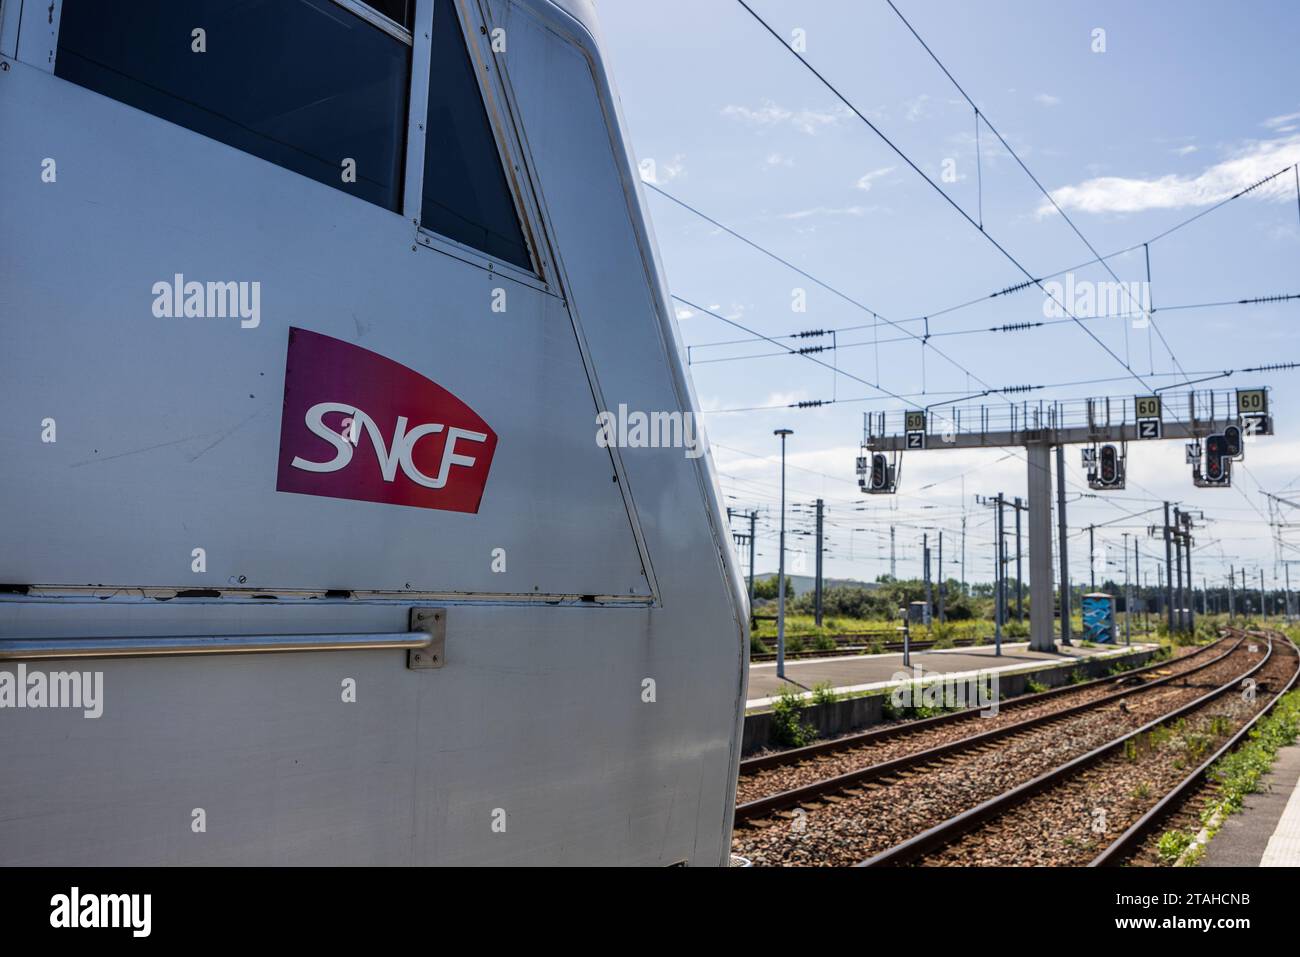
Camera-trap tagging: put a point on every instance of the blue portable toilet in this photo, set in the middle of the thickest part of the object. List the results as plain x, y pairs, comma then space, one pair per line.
1098, 618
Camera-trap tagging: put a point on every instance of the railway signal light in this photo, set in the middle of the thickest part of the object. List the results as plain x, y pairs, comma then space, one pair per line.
1231, 441
876, 474
1218, 459
1109, 465
1216, 454
1105, 467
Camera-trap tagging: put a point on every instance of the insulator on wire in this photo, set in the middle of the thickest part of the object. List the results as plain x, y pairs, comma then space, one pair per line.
1286, 297
1016, 288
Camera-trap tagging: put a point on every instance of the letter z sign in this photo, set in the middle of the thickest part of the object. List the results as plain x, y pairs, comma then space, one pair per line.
357, 425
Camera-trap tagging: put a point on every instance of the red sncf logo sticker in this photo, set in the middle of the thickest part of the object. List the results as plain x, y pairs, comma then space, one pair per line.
358, 425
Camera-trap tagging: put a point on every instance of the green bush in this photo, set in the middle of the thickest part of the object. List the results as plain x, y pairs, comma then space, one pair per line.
1172, 844
770, 588
787, 725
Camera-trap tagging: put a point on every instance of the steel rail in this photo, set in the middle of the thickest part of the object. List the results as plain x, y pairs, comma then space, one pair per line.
765, 805
945, 832
1131, 838
795, 755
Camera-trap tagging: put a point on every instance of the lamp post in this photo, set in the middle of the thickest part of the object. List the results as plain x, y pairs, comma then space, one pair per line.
780, 580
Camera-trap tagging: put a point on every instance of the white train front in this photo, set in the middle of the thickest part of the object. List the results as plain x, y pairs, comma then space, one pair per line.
310, 311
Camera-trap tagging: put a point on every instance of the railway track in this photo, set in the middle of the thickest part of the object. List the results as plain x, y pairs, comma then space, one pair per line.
782, 778
1097, 807
1181, 805
849, 817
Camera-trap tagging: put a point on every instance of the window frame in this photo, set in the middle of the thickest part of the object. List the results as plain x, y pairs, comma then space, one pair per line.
33, 29
501, 113
42, 32
372, 16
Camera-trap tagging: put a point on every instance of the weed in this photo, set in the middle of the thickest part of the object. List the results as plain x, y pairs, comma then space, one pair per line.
787, 724
1171, 845
822, 694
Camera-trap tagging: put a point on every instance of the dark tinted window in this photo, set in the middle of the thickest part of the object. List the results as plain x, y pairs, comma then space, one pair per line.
302, 83
399, 11
466, 196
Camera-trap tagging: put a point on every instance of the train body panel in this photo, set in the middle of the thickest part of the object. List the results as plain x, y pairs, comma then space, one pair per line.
589, 706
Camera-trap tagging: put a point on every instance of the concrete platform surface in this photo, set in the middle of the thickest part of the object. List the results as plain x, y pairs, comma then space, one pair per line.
848, 673
1266, 831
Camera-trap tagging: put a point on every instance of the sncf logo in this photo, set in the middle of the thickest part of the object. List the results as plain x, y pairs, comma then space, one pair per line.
360, 426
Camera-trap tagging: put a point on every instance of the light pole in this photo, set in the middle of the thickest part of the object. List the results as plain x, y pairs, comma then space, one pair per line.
780, 580
1128, 597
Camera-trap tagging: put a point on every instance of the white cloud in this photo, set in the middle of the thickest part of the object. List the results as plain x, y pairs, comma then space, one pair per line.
778, 159
1046, 99
827, 211
771, 114
1253, 162
684, 313
734, 311
864, 182
1186, 150
1279, 122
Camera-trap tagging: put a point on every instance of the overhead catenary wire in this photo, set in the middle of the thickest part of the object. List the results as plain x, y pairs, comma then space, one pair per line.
935, 186
811, 278
1014, 155
980, 330
1017, 287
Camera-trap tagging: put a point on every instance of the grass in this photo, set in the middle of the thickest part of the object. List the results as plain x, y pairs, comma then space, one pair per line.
805, 627
1239, 773
822, 694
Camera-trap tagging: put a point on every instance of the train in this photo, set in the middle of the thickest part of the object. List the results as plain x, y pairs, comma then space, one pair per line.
315, 550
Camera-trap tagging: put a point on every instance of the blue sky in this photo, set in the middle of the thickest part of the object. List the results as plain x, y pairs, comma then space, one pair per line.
1188, 103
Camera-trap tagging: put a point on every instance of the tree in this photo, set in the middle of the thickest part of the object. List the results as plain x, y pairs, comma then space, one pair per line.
769, 587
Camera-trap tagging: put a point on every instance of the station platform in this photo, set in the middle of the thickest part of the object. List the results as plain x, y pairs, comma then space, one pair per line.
1266, 831
855, 673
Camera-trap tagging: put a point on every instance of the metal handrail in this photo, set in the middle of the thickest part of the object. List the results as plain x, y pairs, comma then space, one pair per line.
28, 649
